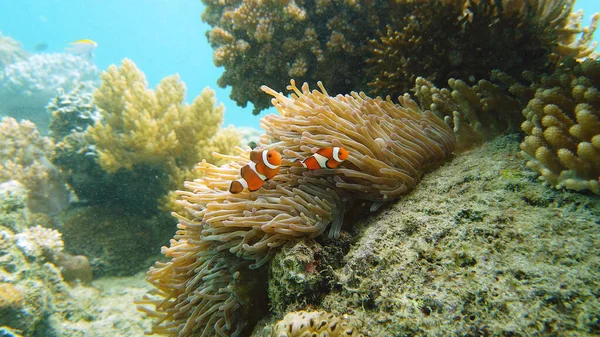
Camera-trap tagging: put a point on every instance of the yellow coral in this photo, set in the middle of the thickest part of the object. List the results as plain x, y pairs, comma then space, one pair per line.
142, 126
314, 323
563, 128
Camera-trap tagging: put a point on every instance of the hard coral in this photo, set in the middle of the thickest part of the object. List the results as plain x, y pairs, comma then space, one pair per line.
476, 113
24, 157
467, 39
27, 86
313, 323
563, 127
268, 41
202, 289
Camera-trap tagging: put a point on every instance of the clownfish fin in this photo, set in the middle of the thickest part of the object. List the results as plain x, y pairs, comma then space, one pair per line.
331, 164
236, 187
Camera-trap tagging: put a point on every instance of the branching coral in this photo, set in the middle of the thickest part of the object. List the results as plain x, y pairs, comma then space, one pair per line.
467, 39
201, 290
268, 41
476, 113
563, 127
142, 126
313, 323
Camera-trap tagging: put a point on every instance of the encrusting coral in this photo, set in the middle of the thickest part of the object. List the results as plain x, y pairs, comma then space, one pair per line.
222, 237
467, 39
563, 127
268, 41
314, 323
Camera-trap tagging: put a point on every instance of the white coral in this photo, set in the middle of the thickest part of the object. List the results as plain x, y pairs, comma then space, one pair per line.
27, 86
37, 241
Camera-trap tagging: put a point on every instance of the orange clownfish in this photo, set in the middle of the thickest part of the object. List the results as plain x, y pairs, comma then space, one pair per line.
327, 157
263, 165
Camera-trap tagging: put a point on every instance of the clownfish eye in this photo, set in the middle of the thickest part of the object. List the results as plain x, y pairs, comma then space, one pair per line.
269, 155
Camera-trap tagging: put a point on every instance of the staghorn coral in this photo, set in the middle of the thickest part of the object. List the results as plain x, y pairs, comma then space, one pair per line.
203, 289
28, 85
268, 41
476, 113
569, 45
314, 323
563, 127
467, 39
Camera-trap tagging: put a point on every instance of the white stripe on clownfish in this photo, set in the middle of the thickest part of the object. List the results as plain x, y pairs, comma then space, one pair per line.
266, 161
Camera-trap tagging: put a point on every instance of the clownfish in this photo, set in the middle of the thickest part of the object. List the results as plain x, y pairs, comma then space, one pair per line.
263, 165
327, 157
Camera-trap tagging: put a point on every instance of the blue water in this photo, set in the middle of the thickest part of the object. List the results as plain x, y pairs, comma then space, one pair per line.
162, 37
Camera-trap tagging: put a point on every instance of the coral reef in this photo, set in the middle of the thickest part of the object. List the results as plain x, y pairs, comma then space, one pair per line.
313, 323
267, 42
467, 39
28, 85
14, 212
476, 113
10, 51
477, 248
38, 241
35, 299
24, 157
72, 111
563, 127
204, 288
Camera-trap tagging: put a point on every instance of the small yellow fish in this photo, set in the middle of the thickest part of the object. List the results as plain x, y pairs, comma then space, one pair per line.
82, 47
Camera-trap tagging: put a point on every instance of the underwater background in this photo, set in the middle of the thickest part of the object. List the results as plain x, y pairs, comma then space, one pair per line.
138, 197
